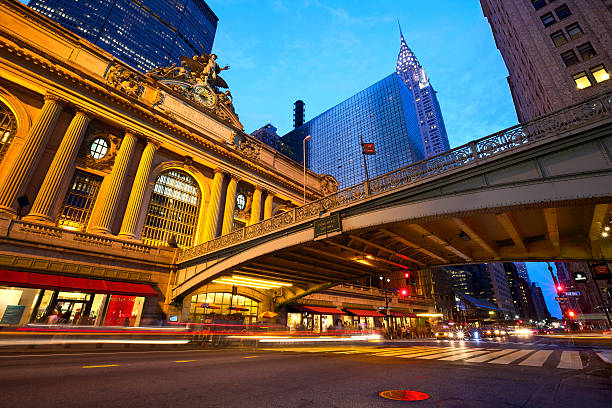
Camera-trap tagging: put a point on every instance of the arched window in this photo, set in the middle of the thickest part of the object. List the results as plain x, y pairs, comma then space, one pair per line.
8, 128
173, 211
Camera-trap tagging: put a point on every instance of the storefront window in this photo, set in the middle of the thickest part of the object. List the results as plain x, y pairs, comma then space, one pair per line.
218, 304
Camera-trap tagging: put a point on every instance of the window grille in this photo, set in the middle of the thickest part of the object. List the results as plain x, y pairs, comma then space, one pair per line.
79, 201
173, 210
8, 128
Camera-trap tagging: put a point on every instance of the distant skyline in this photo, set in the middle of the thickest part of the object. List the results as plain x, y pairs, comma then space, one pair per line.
324, 53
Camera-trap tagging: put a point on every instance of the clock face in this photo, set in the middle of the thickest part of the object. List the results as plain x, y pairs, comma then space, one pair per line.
205, 96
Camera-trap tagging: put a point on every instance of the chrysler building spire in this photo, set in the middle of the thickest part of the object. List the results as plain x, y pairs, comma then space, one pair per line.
431, 124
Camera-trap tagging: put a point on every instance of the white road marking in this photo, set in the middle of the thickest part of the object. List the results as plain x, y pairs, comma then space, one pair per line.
447, 353
606, 356
464, 355
570, 360
489, 356
508, 358
537, 359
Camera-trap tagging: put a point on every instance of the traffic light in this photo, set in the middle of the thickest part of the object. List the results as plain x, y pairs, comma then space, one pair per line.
559, 289
571, 313
406, 275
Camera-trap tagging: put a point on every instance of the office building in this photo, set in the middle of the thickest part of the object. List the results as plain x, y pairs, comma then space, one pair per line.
484, 284
429, 115
557, 52
521, 269
382, 114
267, 134
539, 304
143, 33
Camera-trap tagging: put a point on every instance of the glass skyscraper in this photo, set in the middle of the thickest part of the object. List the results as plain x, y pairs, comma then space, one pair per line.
382, 114
431, 124
143, 33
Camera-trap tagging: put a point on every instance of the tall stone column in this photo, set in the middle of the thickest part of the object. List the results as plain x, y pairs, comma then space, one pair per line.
230, 206
106, 205
256, 206
22, 167
268, 206
212, 212
61, 166
134, 205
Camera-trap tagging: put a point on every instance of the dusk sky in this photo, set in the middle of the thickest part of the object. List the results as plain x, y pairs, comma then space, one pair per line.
325, 52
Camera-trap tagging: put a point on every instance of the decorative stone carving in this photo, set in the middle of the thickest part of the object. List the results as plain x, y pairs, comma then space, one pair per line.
159, 98
329, 185
250, 149
197, 80
106, 162
124, 80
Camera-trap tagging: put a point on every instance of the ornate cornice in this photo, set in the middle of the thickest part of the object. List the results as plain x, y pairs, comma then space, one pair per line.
95, 85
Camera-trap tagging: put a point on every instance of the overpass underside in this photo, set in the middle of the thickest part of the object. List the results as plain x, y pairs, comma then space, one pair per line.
541, 193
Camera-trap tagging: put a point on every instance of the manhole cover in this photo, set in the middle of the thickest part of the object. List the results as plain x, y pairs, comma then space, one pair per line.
404, 395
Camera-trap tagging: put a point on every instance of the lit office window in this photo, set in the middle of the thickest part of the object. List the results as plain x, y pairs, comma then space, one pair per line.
600, 74
558, 38
574, 31
79, 202
582, 80
173, 211
8, 128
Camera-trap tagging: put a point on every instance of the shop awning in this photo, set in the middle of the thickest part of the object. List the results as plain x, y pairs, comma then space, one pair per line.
367, 313
71, 283
319, 309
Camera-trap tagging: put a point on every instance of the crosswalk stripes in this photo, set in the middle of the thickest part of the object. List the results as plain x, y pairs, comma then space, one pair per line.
537, 359
442, 353
509, 358
606, 356
490, 356
570, 360
463, 355
522, 357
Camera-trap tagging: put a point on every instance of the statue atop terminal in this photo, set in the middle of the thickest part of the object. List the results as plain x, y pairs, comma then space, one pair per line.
198, 80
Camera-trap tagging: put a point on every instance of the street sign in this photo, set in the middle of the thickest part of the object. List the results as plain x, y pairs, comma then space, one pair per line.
327, 225
572, 293
368, 148
560, 299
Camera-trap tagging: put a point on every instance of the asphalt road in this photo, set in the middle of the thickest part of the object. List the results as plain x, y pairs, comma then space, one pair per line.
454, 375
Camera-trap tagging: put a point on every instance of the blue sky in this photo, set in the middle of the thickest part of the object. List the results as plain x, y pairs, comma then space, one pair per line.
324, 52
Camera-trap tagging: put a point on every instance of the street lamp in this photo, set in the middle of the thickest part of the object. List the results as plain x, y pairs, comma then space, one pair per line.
307, 138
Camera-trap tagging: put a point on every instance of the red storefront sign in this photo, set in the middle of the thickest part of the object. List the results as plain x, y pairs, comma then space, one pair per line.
119, 310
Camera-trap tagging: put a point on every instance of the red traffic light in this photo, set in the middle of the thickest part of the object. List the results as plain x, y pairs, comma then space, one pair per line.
406, 275
559, 288
403, 292
571, 313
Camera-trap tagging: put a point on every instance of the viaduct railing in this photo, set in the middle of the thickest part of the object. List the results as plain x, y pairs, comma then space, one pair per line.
488, 148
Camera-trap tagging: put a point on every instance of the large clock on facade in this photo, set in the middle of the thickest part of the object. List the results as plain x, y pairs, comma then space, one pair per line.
205, 96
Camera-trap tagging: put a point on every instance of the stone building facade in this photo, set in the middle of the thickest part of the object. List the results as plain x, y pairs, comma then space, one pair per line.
557, 52
105, 172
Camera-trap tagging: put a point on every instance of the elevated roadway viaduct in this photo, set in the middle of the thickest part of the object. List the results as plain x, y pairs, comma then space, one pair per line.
539, 191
